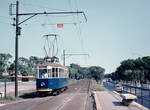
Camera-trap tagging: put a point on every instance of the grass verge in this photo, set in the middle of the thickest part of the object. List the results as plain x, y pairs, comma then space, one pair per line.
22, 95
96, 86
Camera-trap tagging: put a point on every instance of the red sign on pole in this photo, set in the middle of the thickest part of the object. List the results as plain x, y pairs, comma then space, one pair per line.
59, 25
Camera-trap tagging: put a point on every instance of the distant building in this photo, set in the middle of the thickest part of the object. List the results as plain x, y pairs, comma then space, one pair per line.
23, 78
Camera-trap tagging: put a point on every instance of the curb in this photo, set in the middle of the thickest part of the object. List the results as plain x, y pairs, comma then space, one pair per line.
98, 106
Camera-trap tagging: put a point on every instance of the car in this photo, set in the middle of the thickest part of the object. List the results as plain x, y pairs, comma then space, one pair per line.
118, 88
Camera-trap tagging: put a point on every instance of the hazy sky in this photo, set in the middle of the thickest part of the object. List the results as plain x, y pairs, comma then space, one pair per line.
116, 30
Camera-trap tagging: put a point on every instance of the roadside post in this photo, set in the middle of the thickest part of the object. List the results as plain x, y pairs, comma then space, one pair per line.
5, 75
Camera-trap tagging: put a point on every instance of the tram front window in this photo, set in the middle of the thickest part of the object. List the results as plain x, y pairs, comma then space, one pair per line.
43, 73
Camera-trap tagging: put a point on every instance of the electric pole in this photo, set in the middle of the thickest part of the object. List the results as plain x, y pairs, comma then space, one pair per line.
18, 31
16, 50
64, 56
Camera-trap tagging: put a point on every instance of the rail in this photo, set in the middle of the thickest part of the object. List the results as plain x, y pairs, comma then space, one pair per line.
88, 93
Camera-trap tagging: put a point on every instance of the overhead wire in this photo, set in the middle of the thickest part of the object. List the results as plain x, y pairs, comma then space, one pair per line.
53, 42
69, 2
5, 23
80, 31
4, 17
40, 6
76, 3
78, 27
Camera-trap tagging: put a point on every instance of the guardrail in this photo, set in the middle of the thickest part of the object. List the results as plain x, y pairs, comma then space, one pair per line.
142, 93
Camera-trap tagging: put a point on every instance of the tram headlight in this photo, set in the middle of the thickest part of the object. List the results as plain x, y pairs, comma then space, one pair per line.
42, 84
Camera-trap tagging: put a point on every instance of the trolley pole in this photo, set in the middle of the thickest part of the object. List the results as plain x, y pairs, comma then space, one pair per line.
16, 51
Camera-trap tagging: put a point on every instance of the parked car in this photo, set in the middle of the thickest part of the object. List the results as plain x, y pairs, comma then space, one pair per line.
118, 88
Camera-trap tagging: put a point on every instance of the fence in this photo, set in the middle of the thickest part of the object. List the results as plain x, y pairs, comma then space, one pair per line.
143, 94
8, 80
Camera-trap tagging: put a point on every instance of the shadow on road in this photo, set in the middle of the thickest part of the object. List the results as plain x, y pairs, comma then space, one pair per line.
117, 104
28, 95
35, 95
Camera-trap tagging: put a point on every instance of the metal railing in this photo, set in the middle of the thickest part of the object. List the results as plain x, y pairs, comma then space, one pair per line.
142, 93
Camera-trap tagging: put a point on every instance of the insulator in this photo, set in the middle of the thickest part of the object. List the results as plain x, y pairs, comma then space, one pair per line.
19, 30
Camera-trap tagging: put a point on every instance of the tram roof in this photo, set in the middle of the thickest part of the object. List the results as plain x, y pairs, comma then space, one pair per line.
51, 64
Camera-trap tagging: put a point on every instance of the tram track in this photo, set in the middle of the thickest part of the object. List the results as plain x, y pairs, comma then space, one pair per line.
88, 94
78, 91
68, 99
75, 98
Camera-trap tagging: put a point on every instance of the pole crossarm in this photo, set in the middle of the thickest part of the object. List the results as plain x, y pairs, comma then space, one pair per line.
27, 19
68, 55
77, 54
52, 13
64, 56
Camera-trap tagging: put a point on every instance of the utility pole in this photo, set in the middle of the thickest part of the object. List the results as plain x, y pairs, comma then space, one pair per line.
64, 56
18, 29
16, 50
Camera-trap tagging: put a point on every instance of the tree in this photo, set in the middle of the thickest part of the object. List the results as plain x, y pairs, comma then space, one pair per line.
72, 73
4, 62
75, 71
97, 72
134, 70
35, 60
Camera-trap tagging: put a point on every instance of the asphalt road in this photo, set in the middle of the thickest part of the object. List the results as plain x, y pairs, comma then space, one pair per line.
74, 98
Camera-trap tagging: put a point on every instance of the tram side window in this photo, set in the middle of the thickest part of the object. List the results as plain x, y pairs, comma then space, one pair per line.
61, 73
56, 72
53, 72
49, 73
43, 73
65, 72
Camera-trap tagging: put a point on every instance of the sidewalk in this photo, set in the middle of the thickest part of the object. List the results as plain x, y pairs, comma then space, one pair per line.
107, 100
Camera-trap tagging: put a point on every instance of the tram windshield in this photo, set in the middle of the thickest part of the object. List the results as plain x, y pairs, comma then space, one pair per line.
43, 73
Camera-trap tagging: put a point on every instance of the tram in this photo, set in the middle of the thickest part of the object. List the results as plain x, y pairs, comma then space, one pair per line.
51, 76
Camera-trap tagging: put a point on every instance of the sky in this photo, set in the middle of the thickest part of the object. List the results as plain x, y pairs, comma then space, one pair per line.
115, 30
